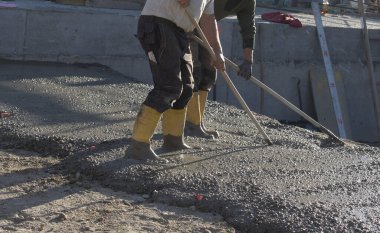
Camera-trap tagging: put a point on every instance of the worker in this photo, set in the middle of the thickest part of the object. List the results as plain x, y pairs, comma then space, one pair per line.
162, 31
205, 75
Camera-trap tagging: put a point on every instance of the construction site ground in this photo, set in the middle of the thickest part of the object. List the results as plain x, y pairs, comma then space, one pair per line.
63, 165
39, 195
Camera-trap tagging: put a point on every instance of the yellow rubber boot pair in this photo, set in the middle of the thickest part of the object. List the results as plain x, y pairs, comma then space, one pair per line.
143, 130
194, 118
173, 123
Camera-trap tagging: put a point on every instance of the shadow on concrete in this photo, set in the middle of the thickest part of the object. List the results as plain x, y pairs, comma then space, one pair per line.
197, 159
13, 92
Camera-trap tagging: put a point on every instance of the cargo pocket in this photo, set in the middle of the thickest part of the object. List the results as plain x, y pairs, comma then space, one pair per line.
147, 36
150, 33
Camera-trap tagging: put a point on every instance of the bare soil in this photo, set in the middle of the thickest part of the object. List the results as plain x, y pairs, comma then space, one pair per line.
38, 195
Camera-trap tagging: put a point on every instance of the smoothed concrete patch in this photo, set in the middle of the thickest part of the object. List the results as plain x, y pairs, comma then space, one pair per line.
303, 183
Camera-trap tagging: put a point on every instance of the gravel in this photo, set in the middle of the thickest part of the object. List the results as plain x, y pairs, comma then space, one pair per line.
302, 183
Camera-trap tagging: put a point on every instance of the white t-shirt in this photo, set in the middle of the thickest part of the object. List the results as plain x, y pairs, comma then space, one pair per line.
171, 10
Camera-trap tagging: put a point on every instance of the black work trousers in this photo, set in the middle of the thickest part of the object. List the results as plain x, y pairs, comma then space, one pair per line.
168, 50
204, 73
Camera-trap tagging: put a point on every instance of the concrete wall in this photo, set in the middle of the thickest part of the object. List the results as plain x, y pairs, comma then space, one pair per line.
74, 36
283, 56
117, 4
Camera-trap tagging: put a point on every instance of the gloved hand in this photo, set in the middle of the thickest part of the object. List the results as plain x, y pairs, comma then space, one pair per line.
245, 69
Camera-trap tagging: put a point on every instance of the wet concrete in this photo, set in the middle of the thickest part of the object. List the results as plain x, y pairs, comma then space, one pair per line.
303, 183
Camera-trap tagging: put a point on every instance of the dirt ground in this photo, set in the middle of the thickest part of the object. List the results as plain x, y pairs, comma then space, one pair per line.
38, 195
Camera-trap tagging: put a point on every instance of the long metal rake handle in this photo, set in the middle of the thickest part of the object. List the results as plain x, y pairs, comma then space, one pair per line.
228, 80
278, 97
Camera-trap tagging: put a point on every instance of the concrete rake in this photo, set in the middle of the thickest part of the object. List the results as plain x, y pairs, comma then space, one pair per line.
279, 97
228, 80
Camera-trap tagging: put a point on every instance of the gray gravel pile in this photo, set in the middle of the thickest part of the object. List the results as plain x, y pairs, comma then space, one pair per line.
302, 183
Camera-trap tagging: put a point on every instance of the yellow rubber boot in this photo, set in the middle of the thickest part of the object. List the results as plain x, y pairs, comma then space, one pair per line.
194, 119
173, 123
193, 113
143, 130
202, 102
202, 107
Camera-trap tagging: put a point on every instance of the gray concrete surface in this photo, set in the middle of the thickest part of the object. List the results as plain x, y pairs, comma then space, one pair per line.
84, 114
38, 30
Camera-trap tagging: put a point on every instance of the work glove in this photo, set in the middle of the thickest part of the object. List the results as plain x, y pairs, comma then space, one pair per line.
245, 69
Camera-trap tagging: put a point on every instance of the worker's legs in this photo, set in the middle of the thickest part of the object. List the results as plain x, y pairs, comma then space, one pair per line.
193, 115
205, 78
173, 120
165, 62
207, 82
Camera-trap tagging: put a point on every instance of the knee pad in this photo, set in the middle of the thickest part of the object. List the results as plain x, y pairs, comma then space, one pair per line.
163, 99
187, 93
208, 79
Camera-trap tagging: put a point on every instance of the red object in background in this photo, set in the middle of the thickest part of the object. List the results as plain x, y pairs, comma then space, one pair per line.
199, 197
279, 17
92, 148
4, 114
